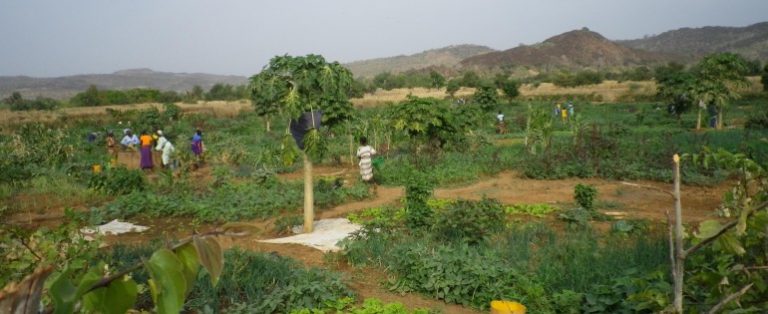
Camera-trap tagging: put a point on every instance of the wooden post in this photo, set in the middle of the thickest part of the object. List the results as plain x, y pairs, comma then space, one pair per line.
309, 199
679, 265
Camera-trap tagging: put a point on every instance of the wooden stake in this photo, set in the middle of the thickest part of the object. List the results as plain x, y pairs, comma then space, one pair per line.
309, 199
679, 266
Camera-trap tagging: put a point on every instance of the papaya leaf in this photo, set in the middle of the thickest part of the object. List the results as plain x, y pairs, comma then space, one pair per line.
731, 244
63, 293
211, 256
168, 284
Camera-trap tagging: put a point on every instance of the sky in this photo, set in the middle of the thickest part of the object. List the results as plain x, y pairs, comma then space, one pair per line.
46, 38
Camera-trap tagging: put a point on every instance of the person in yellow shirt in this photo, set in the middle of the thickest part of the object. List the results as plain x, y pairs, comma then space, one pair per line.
146, 150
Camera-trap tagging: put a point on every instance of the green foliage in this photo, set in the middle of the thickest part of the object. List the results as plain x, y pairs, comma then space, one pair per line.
585, 77
95, 97
118, 181
17, 103
452, 87
418, 191
426, 120
304, 84
585, 196
227, 202
469, 221
25, 250
487, 97
764, 78
536, 210
461, 274
284, 224
267, 283
369, 306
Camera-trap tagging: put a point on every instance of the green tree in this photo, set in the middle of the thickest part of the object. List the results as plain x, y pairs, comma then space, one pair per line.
196, 93
437, 79
470, 79
508, 86
764, 78
486, 96
717, 77
452, 87
90, 97
307, 84
676, 86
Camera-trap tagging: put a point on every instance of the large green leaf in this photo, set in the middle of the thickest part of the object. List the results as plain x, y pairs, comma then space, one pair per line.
211, 256
63, 293
168, 284
187, 255
116, 298
708, 228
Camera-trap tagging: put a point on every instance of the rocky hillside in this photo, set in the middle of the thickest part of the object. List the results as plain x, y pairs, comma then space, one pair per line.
574, 49
67, 86
441, 57
750, 41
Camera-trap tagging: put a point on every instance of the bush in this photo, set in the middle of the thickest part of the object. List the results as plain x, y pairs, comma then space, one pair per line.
418, 191
469, 221
585, 196
118, 181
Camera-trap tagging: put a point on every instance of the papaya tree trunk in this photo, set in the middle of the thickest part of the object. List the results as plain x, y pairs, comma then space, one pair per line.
720, 119
309, 198
698, 120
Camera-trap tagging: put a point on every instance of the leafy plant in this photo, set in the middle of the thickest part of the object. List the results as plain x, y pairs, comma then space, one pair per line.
118, 181
418, 191
536, 210
469, 221
585, 196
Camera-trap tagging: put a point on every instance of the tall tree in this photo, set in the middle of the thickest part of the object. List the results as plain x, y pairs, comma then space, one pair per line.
299, 85
718, 76
437, 79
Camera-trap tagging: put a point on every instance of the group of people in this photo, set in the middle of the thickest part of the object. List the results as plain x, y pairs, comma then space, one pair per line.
564, 111
146, 142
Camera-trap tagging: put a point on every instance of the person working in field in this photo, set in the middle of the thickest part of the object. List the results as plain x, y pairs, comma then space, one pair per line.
197, 145
365, 152
164, 146
112, 148
129, 140
500, 126
146, 151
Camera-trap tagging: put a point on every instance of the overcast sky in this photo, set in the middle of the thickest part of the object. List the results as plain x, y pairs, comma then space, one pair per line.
64, 37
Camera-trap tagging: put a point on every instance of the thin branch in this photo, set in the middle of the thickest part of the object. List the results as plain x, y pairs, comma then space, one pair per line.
671, 242
725, 228
729, 299
26, 245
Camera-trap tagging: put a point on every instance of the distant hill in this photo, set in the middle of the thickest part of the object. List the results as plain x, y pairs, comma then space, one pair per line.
67, 86
574, 49
441, 57
750, 41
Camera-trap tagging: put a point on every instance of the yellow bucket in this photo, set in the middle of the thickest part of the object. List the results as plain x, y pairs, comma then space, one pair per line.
507, 307
96, 168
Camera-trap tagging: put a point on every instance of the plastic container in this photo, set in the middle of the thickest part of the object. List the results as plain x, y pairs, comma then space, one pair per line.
507, 307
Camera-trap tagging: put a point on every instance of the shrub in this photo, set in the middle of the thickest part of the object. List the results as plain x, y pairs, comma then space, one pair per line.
118, 181
585, 196
418, 191
469, 221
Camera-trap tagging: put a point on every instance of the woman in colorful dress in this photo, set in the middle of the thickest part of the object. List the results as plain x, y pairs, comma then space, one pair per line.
197, 145
365, 152
146, 150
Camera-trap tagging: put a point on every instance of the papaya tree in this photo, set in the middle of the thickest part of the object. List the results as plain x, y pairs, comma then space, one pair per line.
718, 76
312, 92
